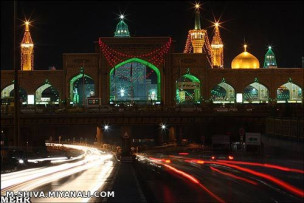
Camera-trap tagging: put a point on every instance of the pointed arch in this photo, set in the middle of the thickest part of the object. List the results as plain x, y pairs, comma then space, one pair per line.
8, 92
256, 93
188, 89
52, 94
154, 88
83, 90
289, 92
223, 93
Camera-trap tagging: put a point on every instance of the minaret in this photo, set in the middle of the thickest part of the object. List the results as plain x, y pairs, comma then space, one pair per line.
217, 48
122, 29
197, 35
270, 60
27, 50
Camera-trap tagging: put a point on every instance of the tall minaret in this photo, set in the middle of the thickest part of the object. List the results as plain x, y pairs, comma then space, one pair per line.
197, 35
217, 48
27, 50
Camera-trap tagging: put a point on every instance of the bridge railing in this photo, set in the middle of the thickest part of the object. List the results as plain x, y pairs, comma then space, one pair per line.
280, 110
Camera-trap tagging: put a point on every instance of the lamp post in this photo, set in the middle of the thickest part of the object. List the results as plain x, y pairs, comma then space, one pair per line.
16, 85
163, 130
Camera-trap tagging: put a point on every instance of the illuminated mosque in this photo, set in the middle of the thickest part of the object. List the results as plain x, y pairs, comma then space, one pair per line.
146, 70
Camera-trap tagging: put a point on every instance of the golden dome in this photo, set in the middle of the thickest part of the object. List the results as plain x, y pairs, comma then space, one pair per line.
245, 60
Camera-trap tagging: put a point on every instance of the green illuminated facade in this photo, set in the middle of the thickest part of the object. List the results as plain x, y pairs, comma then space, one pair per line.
81, 87
135, 81
188, 90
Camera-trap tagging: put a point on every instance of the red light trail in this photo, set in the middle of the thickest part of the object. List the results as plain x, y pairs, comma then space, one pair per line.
234, 176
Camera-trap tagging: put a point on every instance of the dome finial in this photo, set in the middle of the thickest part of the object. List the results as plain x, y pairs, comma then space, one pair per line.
245, 47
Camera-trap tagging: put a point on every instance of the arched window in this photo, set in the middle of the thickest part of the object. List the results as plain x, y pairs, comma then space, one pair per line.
81, 87
256, 93
135, 80
47, 94
223, 93
188, 90
289, 92
8, 93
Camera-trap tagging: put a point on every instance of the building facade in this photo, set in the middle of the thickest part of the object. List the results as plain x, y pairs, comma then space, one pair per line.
147, 71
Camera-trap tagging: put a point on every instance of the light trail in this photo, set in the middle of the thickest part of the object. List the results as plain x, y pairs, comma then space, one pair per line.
277, 181
186, 175
28, 180
264, 165
234, 176
194, 180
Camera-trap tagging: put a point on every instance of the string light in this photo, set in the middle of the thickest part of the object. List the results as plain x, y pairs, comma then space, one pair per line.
115, 57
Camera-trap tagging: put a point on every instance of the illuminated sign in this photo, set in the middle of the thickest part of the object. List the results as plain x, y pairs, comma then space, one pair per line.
45, 99
94, 101
30, 99
239, 97
188, 85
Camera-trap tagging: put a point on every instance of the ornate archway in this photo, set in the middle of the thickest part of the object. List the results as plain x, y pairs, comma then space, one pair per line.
8, 93
256, 93
188, 90
82, 86
46, 94
135, 80
223, 93
289, 92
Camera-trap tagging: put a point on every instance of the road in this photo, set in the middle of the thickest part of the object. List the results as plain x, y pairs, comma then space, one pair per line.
184, 179
86, 173
161, 178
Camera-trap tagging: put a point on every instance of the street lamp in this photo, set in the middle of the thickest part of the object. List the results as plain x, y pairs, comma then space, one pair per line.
163, 126
106, 127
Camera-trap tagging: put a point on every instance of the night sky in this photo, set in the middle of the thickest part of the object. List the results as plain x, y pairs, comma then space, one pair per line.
71, 27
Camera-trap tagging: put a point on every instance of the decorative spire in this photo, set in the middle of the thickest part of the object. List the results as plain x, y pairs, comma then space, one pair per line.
27, 26
197, 23
270, 60
217, 48
27, 49
122, 29
245, 47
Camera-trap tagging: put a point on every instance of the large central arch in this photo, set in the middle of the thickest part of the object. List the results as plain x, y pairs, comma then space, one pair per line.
135, 80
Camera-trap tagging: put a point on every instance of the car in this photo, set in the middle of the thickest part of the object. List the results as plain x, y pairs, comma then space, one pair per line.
17, 158
217, 155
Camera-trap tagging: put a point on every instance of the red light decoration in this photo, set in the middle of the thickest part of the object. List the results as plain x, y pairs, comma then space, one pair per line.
115, 57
